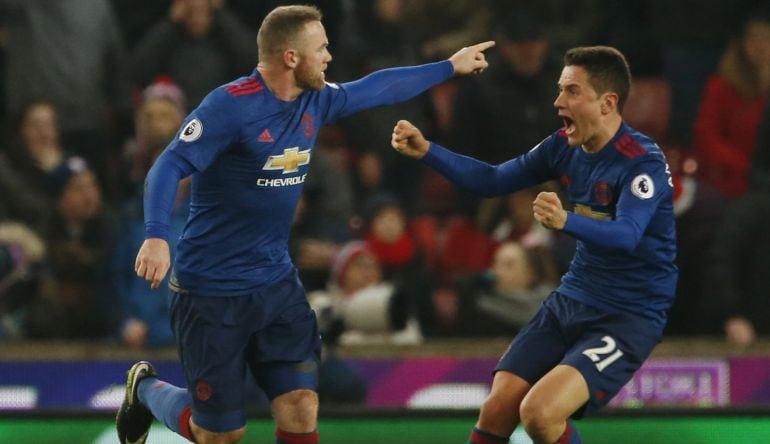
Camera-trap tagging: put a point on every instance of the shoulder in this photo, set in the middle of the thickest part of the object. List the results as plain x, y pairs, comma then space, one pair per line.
553, 146
244, 86
231, 96
635, 146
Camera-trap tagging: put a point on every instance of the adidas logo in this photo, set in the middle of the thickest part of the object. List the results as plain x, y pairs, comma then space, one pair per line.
265, 136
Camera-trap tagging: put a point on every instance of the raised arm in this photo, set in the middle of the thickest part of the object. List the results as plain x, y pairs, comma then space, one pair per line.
393, 85
466, 172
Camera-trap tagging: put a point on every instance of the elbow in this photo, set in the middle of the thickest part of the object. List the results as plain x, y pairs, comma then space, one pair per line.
628, 243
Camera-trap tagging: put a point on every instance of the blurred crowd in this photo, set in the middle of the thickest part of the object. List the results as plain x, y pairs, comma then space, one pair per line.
390, 252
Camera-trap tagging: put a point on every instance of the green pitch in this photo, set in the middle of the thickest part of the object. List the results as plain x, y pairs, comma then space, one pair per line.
691, 430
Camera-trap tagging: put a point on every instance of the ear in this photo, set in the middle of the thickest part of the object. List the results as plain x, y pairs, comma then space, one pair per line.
609, 102
291, 58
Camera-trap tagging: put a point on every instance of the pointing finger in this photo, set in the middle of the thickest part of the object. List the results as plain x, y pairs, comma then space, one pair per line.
483, 46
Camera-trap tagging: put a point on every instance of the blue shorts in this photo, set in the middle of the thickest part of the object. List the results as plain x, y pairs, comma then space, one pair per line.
272, 331
606, 348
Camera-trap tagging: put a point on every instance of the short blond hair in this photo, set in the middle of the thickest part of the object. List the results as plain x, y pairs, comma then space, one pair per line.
281, 26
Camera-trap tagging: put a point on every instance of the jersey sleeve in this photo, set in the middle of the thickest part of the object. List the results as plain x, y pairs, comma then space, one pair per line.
160, 188
646, 185
208, 131
487, 180
384, 87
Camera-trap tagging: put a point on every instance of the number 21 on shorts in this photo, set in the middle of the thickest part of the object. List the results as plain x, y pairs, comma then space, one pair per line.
604, 355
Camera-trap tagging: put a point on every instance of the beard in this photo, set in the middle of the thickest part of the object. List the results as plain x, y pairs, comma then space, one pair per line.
308, 78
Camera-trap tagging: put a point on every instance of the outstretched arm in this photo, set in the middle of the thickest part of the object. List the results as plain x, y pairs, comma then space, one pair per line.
466, 172
393, 85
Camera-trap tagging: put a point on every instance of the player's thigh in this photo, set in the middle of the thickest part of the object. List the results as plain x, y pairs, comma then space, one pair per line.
500, 412
285, 355
608, 353
210, 338
556, 396
537, 348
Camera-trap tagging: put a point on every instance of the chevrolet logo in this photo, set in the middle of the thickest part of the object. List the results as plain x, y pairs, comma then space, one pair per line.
289, 161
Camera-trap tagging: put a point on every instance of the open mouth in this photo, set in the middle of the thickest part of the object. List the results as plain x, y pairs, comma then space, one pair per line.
569, 125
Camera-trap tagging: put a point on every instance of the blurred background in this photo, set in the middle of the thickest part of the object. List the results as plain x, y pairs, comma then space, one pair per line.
419, 286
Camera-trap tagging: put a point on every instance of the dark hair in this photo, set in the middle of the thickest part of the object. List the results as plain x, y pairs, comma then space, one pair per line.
607, 69
281, 26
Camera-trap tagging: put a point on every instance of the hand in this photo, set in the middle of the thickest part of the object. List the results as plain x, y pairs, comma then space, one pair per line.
409, 141
471, 58
153, 261
739, 331
548, 211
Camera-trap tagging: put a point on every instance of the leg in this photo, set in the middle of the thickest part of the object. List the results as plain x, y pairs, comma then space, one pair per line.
536, 350
203, 436
500, 412
296, 411
134, 419
547, 407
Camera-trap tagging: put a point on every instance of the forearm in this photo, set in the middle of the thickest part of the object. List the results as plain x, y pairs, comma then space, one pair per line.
622, 234
393, 85
160, 193
479, 177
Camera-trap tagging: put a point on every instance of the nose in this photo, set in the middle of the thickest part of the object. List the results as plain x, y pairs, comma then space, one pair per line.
557, 103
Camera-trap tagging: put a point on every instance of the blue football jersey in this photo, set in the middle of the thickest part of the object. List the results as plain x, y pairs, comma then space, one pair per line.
623, 215
249, 153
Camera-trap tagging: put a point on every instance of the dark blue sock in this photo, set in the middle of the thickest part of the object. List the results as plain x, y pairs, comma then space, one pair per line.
169, 404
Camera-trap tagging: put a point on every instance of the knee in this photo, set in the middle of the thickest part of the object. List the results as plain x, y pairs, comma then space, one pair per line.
296, 411
499, 415
497, 407
537, 419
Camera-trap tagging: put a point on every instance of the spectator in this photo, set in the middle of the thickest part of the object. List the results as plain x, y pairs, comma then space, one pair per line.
157, 119
732, 105
322, 221
692, 35
386, 233
21, 252
578, 25
525, 75
511, 219
444, 25
359, 305
73, 303
759, 175
504, 298
69, 52
384, 40
144, 316
698, 208
195, 30
26, 166
739, 278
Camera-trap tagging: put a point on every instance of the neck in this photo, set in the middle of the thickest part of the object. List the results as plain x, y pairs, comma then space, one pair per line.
609, 127
280, 81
